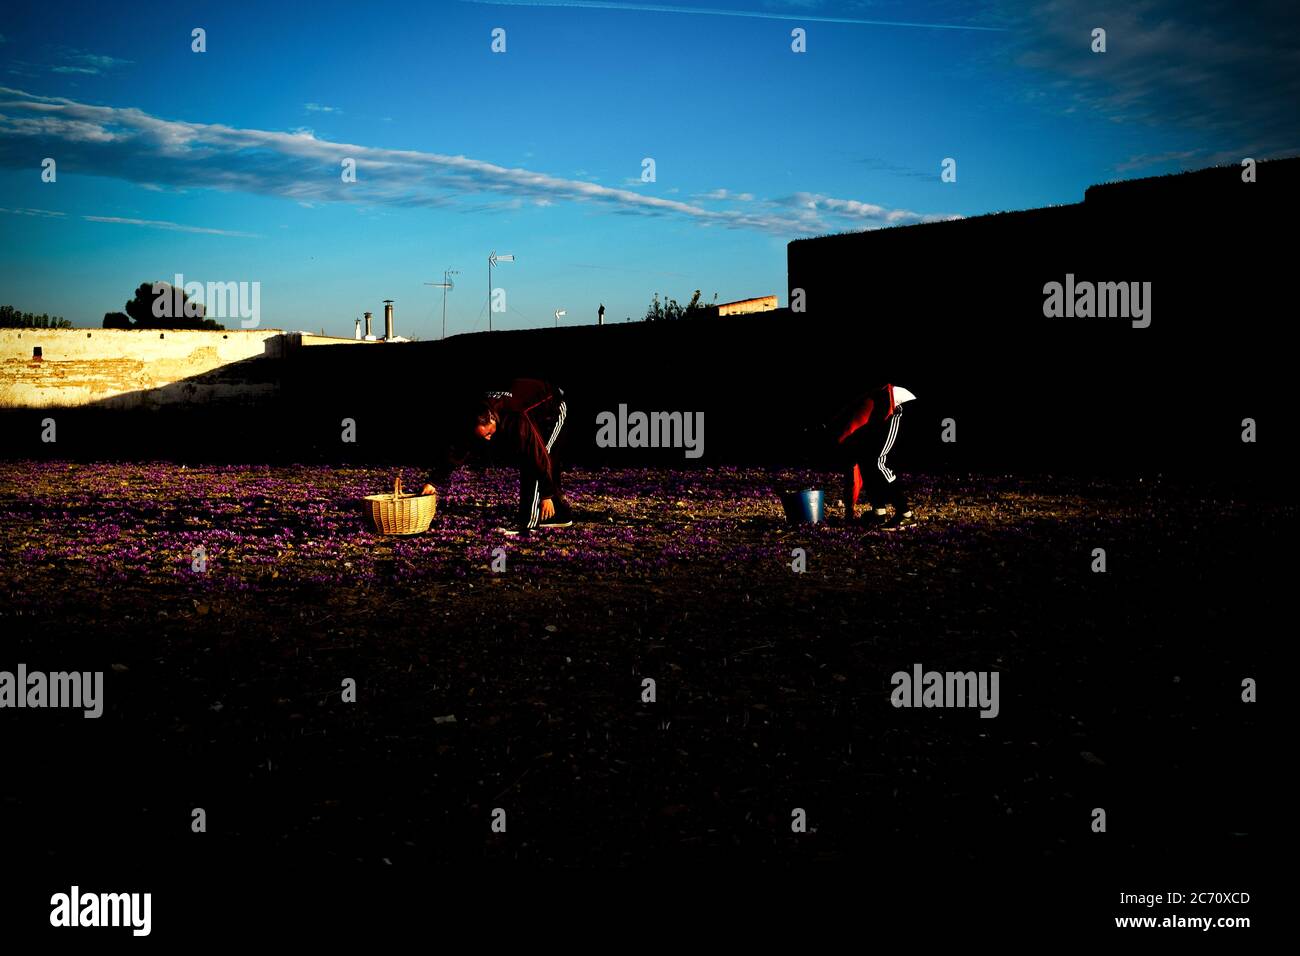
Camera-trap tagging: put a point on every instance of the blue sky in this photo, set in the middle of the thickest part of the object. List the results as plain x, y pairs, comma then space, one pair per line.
225, 165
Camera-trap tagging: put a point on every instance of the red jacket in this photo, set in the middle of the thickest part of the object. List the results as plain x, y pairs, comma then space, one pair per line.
517, 431
876, 405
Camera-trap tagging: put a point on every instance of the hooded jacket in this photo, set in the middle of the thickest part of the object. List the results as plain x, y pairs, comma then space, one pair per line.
872, 406
516, 431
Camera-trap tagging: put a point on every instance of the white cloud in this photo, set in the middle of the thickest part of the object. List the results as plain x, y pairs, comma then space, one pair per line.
132, 145
170, 226
727, 194
1207, 68
816, 204
713, 11
74, 61
40, 213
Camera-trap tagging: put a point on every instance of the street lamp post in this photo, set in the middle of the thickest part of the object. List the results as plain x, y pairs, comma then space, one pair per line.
493, 259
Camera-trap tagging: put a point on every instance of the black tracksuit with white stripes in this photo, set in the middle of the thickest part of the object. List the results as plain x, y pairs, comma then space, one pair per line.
869, 449
530, 420
866, 431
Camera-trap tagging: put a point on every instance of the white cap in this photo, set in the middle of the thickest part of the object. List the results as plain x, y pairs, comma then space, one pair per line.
902, 395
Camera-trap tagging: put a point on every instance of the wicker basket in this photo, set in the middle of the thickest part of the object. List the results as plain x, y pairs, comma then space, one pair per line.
400, 513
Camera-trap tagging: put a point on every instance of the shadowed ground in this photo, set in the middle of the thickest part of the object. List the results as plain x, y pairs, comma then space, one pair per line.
1119, 690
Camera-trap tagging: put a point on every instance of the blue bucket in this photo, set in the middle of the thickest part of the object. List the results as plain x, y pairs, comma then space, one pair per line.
804, 507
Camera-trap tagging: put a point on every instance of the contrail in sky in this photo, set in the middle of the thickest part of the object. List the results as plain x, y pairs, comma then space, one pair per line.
716, 12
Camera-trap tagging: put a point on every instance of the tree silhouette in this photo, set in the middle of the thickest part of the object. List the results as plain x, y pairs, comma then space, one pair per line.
671, 309
11, 318
178, 312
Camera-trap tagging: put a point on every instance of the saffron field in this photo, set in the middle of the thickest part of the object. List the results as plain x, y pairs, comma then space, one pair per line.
523, 689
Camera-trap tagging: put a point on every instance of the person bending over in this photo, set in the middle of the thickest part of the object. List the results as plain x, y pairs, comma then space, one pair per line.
527, 421
865, 433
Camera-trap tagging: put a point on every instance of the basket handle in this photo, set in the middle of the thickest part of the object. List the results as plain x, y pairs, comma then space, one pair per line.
397, 487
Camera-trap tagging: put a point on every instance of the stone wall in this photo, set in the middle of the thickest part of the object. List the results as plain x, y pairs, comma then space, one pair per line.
133, 368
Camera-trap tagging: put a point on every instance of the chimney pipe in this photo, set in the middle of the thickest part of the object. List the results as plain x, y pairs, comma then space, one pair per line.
388, 319
367, 325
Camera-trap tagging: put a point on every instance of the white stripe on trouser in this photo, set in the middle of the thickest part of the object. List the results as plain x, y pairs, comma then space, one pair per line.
559, 422
534, 512
889, 443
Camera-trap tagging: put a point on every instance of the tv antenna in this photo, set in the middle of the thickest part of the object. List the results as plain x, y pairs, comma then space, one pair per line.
445, 285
